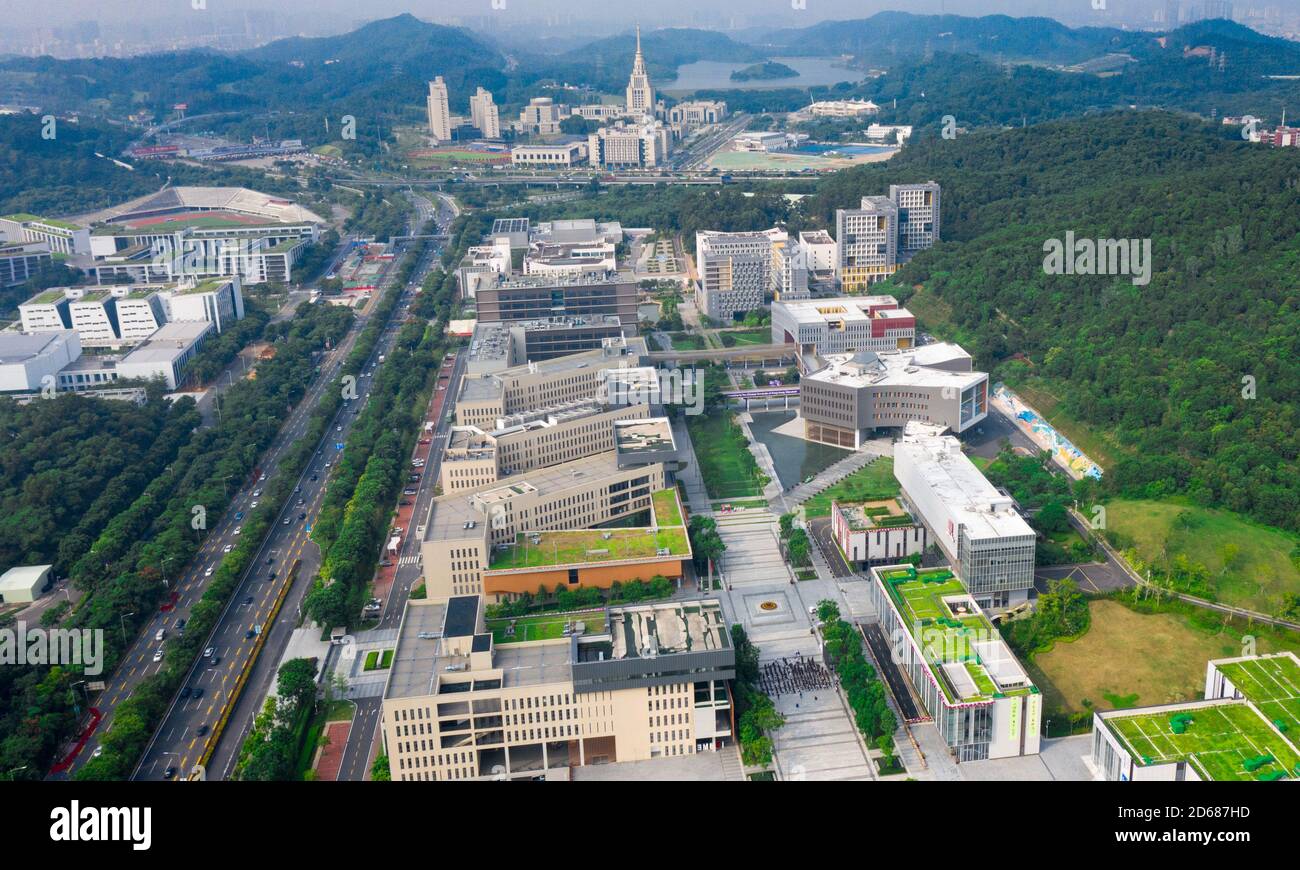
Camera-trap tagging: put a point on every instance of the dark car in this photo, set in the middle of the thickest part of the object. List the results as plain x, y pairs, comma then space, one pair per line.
186, 692
198, 693
201, 731
214, 661
248, 600
169, 773
315, 477
302, 516
248, 635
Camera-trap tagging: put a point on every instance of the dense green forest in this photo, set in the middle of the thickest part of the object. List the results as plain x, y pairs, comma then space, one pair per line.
1192, 376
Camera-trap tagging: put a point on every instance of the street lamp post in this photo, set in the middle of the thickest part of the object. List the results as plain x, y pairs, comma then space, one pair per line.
122, 620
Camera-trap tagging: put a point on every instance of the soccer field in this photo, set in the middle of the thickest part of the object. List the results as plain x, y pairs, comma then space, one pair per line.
1218, 740
1273, 684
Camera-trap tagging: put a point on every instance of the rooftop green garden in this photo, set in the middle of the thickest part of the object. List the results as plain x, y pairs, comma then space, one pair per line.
1272, 684
667, 510
946, 636
1223, 742
48, 296
545, 627
589, 546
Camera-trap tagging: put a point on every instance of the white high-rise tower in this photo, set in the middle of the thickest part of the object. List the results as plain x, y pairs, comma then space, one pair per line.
484, 115
640, 95
439, 113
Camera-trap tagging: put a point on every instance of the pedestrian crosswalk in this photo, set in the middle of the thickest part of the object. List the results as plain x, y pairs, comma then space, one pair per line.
409, 560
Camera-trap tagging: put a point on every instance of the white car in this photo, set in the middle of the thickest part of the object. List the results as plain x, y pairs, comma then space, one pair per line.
252, 506
209, 652
257, 493
157, 655
207, 572
227, 548
238, 530
99, 750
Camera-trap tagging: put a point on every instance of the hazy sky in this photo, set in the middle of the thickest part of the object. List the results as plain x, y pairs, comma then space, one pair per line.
716, 13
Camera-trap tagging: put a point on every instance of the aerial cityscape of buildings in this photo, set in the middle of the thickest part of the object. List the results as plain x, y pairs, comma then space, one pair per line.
574, 430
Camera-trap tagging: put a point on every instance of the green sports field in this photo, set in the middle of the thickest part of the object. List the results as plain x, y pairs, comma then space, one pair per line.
1218, 741
1273, 685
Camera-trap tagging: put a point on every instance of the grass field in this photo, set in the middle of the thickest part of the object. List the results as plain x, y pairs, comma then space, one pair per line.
729, 470
871, 482
1139, 659
1248, 563
746, 337
686, 341
1219, 741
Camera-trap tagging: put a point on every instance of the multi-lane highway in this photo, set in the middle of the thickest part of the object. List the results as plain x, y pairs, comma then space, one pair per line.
190, 724
408, 570
178, 743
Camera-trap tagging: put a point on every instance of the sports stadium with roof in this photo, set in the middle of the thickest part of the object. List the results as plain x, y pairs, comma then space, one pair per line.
200, 206
1246, 729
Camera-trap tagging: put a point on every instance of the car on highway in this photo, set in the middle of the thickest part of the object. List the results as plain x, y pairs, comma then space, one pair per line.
248, 599
209, 652
207, 572
227, 548
315, 477
302, 517
338, 428
285, 522
157, 655
186, 691
248, 635
257, 493
198, 693
254, 504
239, 515
201, 731
99, 750
239, 530
169, 773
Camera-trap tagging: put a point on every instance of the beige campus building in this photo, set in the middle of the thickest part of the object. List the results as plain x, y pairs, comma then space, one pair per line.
478, 456
463, 528
470, 699
496, 387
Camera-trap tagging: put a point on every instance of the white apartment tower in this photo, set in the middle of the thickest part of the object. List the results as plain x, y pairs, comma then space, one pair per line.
439, 111
640, 95
483, 114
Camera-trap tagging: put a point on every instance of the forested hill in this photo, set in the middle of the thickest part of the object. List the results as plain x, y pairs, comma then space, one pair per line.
888, 34
1158, 368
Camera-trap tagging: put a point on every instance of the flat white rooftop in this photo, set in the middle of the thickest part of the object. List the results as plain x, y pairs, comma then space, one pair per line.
914, 367
845, 308
954, 481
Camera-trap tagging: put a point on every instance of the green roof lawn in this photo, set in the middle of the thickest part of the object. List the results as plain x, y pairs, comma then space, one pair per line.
1273, 685
945, 636
668, 511
1218, 741
545, 627
589, 546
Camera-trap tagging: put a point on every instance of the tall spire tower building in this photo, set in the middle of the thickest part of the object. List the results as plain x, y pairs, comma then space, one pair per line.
640, 95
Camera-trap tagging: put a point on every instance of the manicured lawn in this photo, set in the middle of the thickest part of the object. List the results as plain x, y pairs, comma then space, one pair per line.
667, 511
589, 545
378, 660
1254, 575
739, 338
1143, 659
686, 341
545, 627
869, 483
728, 468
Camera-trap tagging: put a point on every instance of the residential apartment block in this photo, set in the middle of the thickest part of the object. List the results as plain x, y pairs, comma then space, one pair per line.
439, 110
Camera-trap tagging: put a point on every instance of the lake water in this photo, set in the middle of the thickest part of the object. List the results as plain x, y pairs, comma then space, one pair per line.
795, 459
714, 74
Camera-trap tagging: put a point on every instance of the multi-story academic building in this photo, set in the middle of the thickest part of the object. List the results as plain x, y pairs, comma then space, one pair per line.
847, 324
978, 528
468, 698
853, 394
735, 271
982, 701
